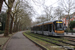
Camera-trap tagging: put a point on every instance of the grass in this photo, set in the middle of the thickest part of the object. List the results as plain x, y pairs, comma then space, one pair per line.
3, 40
47, 45
43, 37
55, 41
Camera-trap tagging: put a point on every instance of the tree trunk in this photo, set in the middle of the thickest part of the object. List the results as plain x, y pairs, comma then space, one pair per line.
11, 25
1, 2
17, 26
7, 23
14, 28
68, 24
15, 23
10, 5
68, 21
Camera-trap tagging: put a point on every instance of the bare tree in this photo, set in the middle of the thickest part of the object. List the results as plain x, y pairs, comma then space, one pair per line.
58, 12
41, 18
10, 5
22, 17
48, 12
68, 6
14, 11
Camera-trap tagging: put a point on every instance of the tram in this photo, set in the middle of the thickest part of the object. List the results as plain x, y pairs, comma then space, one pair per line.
54, 28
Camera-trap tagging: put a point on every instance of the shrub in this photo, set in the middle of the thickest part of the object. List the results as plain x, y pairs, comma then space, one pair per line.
1, 32
72, 24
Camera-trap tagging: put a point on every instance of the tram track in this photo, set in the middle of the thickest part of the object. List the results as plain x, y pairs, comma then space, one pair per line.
52, 41
61, 40
69, 38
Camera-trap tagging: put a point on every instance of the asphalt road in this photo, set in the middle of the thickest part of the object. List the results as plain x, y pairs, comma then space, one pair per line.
20, 42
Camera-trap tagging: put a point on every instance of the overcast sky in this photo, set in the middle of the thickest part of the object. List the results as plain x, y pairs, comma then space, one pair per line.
37, 5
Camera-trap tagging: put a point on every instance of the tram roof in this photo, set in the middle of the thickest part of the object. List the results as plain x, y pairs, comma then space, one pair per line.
46, 22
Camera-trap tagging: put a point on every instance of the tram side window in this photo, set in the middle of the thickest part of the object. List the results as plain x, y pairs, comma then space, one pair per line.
40, 28
37, 28
50, 26
45, 27
33, 28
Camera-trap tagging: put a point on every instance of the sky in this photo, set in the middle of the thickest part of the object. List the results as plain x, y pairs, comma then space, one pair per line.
38, 8
4, 7
37, 5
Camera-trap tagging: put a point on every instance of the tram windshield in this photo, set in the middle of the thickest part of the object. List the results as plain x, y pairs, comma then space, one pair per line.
59, 26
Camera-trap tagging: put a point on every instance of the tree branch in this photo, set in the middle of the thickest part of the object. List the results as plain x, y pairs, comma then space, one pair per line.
6, 3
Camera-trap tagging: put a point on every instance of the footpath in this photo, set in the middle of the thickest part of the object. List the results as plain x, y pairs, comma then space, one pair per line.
20, 42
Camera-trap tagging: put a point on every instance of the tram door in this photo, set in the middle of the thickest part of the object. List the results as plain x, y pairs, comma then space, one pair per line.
50, 29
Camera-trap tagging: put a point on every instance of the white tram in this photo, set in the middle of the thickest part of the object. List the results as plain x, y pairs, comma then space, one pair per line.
54, 28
